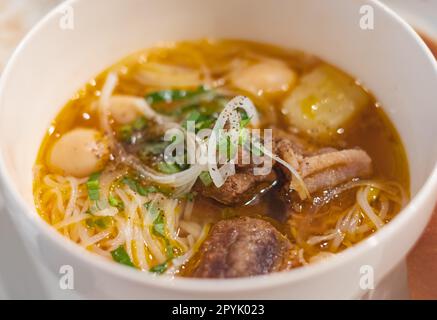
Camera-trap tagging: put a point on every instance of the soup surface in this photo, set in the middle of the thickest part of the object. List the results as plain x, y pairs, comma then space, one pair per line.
299, 161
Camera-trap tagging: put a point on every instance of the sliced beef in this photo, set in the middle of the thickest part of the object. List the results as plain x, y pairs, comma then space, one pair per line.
333, 168
243, 247
241, 188
321, 168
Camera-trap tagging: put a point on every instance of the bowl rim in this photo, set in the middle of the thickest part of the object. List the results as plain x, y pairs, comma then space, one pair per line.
15, 202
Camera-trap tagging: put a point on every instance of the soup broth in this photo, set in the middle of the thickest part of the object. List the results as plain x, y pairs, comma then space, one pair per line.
106, 199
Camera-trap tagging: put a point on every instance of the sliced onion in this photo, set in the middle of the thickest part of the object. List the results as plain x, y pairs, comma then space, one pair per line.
303, 192
105, 96
228, 115
71, 220
318, 239
106, 212
362, 199
322, 256
96, 238
179, 261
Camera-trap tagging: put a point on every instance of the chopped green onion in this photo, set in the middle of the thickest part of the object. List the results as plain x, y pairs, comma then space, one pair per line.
205, 124
226, 148
173, 95
152, 209
120, 255
114, 202
135, 186
139, 124
187, 108
168, 168
244, 136
190, 195
202, 121
169, 250
160, 268
193, 116
159, 225
244, 122
196, 117
206, 179
154, 148
131, 183
141, 190
257, 149
151, 189
93, 186
102, 222
89, 222
125, 133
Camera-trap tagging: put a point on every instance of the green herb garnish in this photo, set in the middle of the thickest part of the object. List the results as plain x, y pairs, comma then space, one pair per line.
244, 123
154, 148
159, 225
135, 186
153, 209
160, 268
120, 255
115, 202
151, 189
173, 95
226, 147
193, 116
168, 168
190, 196
169, 250
202, 121
206, 179
139, 124
93, 186
125, 133
101, 222
257, 149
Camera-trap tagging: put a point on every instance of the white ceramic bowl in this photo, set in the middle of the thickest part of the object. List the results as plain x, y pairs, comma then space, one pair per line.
52, 63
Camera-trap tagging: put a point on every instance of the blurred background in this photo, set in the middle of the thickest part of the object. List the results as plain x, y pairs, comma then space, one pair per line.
21, 277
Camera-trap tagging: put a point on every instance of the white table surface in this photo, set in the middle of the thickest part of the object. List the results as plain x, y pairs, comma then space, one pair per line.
22, 277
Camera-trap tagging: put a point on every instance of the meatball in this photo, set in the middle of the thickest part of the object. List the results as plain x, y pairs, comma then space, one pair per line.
79, 153
265, 77
124, 109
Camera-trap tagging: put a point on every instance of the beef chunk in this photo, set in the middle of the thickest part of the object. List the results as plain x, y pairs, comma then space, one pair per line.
241, 188
243, 247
